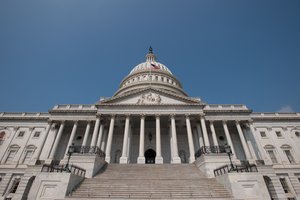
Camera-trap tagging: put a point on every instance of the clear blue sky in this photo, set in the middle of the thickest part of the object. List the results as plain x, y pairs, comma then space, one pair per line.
73, 52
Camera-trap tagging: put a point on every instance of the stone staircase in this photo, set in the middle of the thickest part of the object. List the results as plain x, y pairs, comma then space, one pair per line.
135, 181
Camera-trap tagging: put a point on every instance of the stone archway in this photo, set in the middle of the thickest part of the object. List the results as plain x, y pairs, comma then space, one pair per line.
150, 155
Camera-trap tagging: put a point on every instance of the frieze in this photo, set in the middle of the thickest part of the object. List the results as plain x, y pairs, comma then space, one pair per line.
149, 98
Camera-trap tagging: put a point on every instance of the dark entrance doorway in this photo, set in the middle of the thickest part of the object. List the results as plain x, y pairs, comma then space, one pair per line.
150, 156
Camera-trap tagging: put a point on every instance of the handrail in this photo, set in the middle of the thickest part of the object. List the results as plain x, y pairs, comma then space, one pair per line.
236, 168
210, 150
88, 150
73, 169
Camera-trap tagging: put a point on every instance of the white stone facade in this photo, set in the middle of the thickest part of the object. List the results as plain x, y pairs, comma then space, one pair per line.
150, 119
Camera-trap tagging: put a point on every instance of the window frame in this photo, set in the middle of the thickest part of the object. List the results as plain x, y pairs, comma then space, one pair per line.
12, 148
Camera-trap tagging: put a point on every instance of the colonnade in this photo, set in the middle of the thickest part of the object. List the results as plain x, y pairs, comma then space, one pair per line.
104, 141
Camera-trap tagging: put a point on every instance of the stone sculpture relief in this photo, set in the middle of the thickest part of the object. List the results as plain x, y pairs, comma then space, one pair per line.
149, 98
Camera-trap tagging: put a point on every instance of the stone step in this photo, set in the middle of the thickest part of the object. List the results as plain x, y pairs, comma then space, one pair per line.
135, 181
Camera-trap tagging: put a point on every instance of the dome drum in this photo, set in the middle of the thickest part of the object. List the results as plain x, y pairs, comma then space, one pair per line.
150, 73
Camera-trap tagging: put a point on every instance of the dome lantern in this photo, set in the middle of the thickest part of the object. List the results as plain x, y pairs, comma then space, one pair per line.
150, 57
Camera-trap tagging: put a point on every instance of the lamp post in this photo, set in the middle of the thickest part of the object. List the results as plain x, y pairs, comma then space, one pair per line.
70, 151
229, 153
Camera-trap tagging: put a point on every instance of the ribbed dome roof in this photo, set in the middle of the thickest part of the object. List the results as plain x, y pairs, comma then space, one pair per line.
150, 73
150, 65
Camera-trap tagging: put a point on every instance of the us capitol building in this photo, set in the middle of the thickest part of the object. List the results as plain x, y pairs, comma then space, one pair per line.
150, 140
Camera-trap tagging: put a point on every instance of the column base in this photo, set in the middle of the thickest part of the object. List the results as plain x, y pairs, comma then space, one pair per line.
159, 160
141, 160
123, 160
176, 160
191, 159
107, 159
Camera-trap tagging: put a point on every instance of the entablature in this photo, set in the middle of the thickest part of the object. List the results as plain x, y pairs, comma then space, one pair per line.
275, 117
4, 116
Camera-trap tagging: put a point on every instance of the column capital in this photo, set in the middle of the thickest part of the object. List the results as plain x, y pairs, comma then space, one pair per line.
112, 116
53, 126
211, 121
142, 116
172, 116
157, 116
269, 128
202, 115
187, 116
127, 115
62, 121
237, 122
224, 121
75, 121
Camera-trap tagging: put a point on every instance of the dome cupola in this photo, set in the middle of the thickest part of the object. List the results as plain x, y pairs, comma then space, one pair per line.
150, 74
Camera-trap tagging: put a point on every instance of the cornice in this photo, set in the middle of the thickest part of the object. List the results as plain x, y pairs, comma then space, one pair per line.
4, 116
275, 116
169, 94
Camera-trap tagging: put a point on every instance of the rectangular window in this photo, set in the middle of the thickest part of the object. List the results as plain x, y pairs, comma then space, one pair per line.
278, 133
21, 134
11, 155
289, 156
28, 156
263, 134
37, 134
272, 156
14, 185
284, 185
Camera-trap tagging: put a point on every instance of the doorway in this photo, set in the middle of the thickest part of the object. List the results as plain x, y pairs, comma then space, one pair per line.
150, 156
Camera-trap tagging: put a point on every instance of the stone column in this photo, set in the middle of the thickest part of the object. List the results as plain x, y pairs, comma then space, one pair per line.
39, 151
171, 143
57, 139
109, 139
200, 138
103, 143
95, 133
158, 158
86, 134
175, 158
129, 143
204, 131
141, 158
124, 157
72, 136
195, 139
100, 136
228, 138
243, 140
214, 135
190, 139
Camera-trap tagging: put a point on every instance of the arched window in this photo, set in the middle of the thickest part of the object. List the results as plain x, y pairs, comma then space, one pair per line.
287, 149
28, 154
270, 149
2, 134
13, 149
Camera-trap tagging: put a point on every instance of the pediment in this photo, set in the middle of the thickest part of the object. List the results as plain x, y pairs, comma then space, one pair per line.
150, 97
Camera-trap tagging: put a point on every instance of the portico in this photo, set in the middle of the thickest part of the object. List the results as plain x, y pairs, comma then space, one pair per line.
125, 138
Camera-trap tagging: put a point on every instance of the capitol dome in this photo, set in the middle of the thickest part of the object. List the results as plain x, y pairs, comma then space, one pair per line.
150, 74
